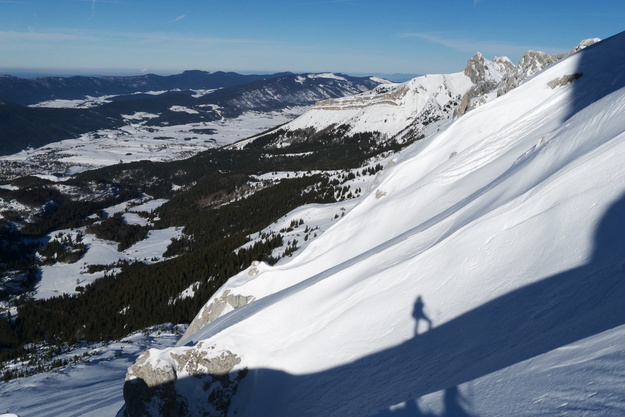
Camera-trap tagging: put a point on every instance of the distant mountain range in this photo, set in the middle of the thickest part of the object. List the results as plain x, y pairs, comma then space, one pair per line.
27, 121
27, 91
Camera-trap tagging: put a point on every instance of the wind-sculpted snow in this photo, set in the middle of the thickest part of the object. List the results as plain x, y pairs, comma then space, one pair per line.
481, 250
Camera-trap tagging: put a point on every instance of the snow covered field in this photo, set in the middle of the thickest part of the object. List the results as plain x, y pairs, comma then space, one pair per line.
63, 278
136, 142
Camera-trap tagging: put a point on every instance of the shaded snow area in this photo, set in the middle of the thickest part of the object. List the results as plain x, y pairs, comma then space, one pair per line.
88, 383
136, 141
482, 276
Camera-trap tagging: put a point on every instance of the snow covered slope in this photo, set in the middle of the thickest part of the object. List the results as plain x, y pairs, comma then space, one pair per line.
489, 257
388, 108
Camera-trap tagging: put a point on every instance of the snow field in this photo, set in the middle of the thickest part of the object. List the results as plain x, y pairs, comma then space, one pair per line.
136, 142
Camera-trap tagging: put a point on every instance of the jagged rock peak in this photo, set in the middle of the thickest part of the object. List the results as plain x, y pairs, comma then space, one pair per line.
475, 67
480, 69
495, 78
533, 61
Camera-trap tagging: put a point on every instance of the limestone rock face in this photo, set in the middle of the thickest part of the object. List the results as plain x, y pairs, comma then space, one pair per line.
198, 380
494, 78
488, 78
480, 70
215, 309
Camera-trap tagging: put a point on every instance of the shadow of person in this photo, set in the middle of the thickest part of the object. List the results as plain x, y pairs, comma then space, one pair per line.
418, 313
454, 403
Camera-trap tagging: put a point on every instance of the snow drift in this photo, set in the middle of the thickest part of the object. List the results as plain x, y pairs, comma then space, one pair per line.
497, 241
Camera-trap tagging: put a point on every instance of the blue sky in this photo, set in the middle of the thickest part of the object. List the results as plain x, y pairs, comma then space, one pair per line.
350, 36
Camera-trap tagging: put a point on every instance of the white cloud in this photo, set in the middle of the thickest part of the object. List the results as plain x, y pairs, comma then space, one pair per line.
93, 3
182, 16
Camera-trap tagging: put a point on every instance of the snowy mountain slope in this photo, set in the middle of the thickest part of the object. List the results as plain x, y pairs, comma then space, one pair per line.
503, 231
388, 110
406, 111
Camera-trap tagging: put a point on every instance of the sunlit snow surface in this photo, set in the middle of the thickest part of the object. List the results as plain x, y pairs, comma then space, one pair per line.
507, 225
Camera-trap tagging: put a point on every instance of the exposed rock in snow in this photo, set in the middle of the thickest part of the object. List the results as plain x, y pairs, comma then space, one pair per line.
494, 78
585, 43
480, 70
217, 307
564, 80
159, 386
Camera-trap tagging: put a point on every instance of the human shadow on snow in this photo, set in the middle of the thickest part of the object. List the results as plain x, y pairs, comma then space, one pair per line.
524, 323
454, 405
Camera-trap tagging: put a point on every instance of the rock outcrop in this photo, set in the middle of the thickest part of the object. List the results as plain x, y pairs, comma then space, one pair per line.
494, 78
214, 309
168, 384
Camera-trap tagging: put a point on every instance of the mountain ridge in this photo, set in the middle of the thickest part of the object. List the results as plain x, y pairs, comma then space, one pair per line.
404, 111
28, 91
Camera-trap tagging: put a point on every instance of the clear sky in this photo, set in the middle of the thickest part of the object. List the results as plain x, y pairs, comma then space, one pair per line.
349, 36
